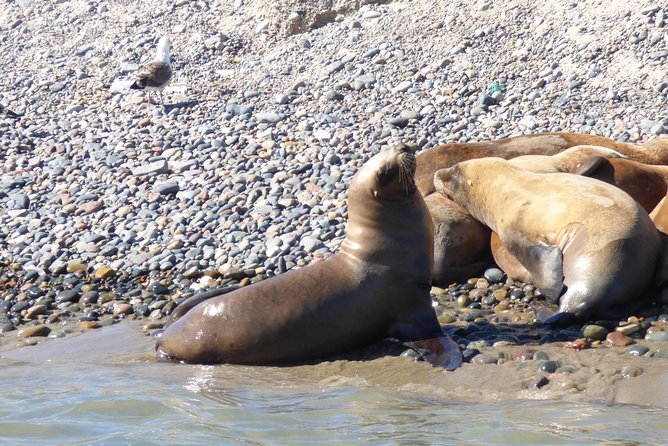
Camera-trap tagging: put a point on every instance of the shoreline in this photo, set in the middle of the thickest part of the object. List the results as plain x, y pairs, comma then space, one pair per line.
608, 375
508, 355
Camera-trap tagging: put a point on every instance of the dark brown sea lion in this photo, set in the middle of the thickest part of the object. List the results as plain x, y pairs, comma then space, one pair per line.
647, 184
461, 243
376, 286
582, 241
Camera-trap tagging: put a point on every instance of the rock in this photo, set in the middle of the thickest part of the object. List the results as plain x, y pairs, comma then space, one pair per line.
104, 273
269, 117
56, 87
657, 336
661, 353
334, 67
89, 325
617, 339
523, 355
628, 329
539, 381
398, 121
549, 366
494, 275
484, 358
155, 167
594, 332
630, 372
34, 331
166, 188
638, 350
121, 308
68, 296
35, 310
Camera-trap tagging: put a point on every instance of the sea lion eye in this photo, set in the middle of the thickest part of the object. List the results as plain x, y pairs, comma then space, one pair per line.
387, 174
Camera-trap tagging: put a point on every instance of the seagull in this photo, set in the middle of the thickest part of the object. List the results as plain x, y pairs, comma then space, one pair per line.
155, 75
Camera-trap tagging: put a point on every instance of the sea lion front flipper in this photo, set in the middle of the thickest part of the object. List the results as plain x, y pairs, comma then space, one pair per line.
440, 351
505, 260
547, 268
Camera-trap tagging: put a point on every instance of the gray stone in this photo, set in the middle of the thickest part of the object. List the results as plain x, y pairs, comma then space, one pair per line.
168, 188
155, 167
334, 67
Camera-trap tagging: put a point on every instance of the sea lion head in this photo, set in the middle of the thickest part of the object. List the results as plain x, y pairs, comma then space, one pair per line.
387, 215
388, 175
460, 181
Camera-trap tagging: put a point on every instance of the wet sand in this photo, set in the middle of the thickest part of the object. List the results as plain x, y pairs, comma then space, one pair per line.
600, 375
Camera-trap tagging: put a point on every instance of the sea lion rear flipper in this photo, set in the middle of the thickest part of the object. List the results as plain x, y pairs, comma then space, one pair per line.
192, 301
440, 351
589, 165
547, 268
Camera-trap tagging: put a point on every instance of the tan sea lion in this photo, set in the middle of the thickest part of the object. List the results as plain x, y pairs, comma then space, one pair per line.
646, 184
571, 160
659, 216
460, 242
376, 286
582, 241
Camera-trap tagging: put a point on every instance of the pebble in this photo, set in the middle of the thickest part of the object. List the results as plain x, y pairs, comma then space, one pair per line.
34, 331
661, 353
89, 325
628, 329
104, 273
523, 355
617, 339
494, 275
630, 372
539, 381
638, 350
540, 356
484, 358
549, 366
594, 332
123, 309
657, 336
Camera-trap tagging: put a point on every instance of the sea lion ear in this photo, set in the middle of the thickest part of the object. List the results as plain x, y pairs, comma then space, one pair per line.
446, 180
589, 166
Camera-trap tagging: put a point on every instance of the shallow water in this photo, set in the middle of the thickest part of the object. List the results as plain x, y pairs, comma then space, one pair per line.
89, 393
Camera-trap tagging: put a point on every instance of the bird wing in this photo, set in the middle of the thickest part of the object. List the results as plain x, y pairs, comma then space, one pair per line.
154, 74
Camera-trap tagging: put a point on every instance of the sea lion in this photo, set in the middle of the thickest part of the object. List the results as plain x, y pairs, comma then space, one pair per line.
659, 216
646, 184
460, 242
446, 155
376, 286
558, 227
571, 160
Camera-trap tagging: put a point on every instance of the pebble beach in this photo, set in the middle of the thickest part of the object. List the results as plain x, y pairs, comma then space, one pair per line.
112, 208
